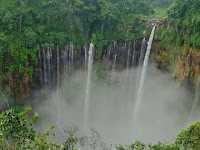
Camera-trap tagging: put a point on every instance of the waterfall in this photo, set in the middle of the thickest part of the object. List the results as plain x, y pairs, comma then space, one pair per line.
86, 56
72, 59
45, 66
134, 54
113, 76
131, 75
127, 66
40, 64
141, 61
114, 64
109, 52
66, 60
142, 52
58, 67
58, 85
87, 94
48, 66
128, 56
143, 75
51, 64
6, 100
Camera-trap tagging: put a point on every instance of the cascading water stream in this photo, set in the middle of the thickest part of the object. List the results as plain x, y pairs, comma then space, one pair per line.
142, 79
88, 85
142, 52
58, 83
131, 77
58, 67
50, 62
114, 64
127, 67
6, 100
49, 66
40, 64
134, 54
141, 61
86, 56
45, 66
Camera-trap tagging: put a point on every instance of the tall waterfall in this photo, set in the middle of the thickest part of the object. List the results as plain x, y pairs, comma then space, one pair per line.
40, 64
58, 84
87, 94
134, 54
143, 75
141, 60
86, 56
49, 66
58, 67
127, 66
142, 52
45, 66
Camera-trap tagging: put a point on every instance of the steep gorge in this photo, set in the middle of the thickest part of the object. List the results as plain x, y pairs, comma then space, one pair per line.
183, 65
54, 61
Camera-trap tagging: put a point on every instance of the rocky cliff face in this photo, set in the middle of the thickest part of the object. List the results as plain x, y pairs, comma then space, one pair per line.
183, 65
19, 87
53, 62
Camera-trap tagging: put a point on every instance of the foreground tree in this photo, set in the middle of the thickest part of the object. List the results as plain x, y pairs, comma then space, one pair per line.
16, 132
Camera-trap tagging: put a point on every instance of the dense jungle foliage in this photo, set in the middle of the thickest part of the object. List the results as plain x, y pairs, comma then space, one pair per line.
182, 25
25, 24
16, 132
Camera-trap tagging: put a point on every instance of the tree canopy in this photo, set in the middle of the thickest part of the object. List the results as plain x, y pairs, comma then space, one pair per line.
24, 24
184, 22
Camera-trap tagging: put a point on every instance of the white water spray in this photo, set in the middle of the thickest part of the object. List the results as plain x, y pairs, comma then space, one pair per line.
40, 64
45, 66
58, 84
86, 56
142, 52
49, 66
134, 54
87, 94
141, 60
143, 75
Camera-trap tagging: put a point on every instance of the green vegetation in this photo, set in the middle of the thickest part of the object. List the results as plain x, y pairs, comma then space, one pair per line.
25, 24
162, 3
16, 132
185, 17
182, 25
161, 7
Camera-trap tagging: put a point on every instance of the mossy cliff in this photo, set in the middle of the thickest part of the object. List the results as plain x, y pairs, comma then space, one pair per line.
181, 62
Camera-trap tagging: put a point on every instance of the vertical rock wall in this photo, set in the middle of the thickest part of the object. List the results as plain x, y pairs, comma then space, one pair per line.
54, 63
